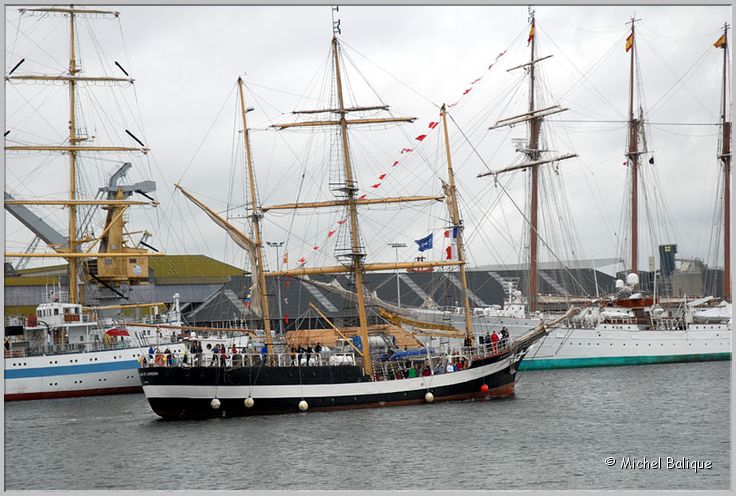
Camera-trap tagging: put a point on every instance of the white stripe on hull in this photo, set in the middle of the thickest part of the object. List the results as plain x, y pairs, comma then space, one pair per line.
54, 383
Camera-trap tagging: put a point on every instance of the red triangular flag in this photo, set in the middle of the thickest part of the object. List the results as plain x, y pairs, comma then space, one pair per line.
362, 197
396, 162
315, 247
420, 137
376, 186
407, 150
477, 80
433, 125
467, 91
341, 222
329, 234
382, 176
302, 260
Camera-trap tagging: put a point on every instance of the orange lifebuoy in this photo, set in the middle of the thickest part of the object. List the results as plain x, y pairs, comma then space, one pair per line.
159, 360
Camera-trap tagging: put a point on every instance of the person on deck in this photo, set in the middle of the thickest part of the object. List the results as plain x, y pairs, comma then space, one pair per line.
504, 337
215, 353
150, 352
494, 342
412, 371
198, 352
223, 356
309, 353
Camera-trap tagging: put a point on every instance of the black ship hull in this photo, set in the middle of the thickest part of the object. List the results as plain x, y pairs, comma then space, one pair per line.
190, 392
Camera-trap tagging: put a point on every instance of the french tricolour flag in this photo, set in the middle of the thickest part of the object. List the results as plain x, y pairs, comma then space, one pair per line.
451, 250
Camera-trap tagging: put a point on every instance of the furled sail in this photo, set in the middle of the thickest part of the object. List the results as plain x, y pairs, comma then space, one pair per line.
241, 240
396, 314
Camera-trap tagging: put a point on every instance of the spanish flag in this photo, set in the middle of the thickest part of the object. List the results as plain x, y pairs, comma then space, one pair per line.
629, 42
720, 42
531, 35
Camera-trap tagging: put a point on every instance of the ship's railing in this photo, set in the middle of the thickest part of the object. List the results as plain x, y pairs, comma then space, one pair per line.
670, 324
16, 350
209, 359
433, 363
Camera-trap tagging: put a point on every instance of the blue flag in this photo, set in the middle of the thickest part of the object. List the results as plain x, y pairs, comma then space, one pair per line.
424, 243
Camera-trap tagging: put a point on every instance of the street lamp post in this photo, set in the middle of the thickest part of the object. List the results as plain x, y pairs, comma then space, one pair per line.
396, 247
277, 245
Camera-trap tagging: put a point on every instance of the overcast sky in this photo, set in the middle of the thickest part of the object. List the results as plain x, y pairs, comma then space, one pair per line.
185, 61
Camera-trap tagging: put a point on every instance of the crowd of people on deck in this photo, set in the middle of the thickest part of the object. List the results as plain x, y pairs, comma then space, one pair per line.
497, 341
307, 353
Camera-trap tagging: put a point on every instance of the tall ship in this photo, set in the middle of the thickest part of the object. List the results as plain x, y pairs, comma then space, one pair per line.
75, 344
283, 379
633, 327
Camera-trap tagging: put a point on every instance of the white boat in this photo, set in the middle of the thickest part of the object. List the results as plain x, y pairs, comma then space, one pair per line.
64, 351
635, 334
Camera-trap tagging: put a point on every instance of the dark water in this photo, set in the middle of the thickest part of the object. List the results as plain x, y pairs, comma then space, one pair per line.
555, 434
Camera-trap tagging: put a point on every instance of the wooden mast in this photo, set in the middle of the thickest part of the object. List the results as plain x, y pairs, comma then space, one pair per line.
72, 243
533, 155
71, 251
534, 159
351, 189
256, 219
726, 159
633, 159
456, 224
